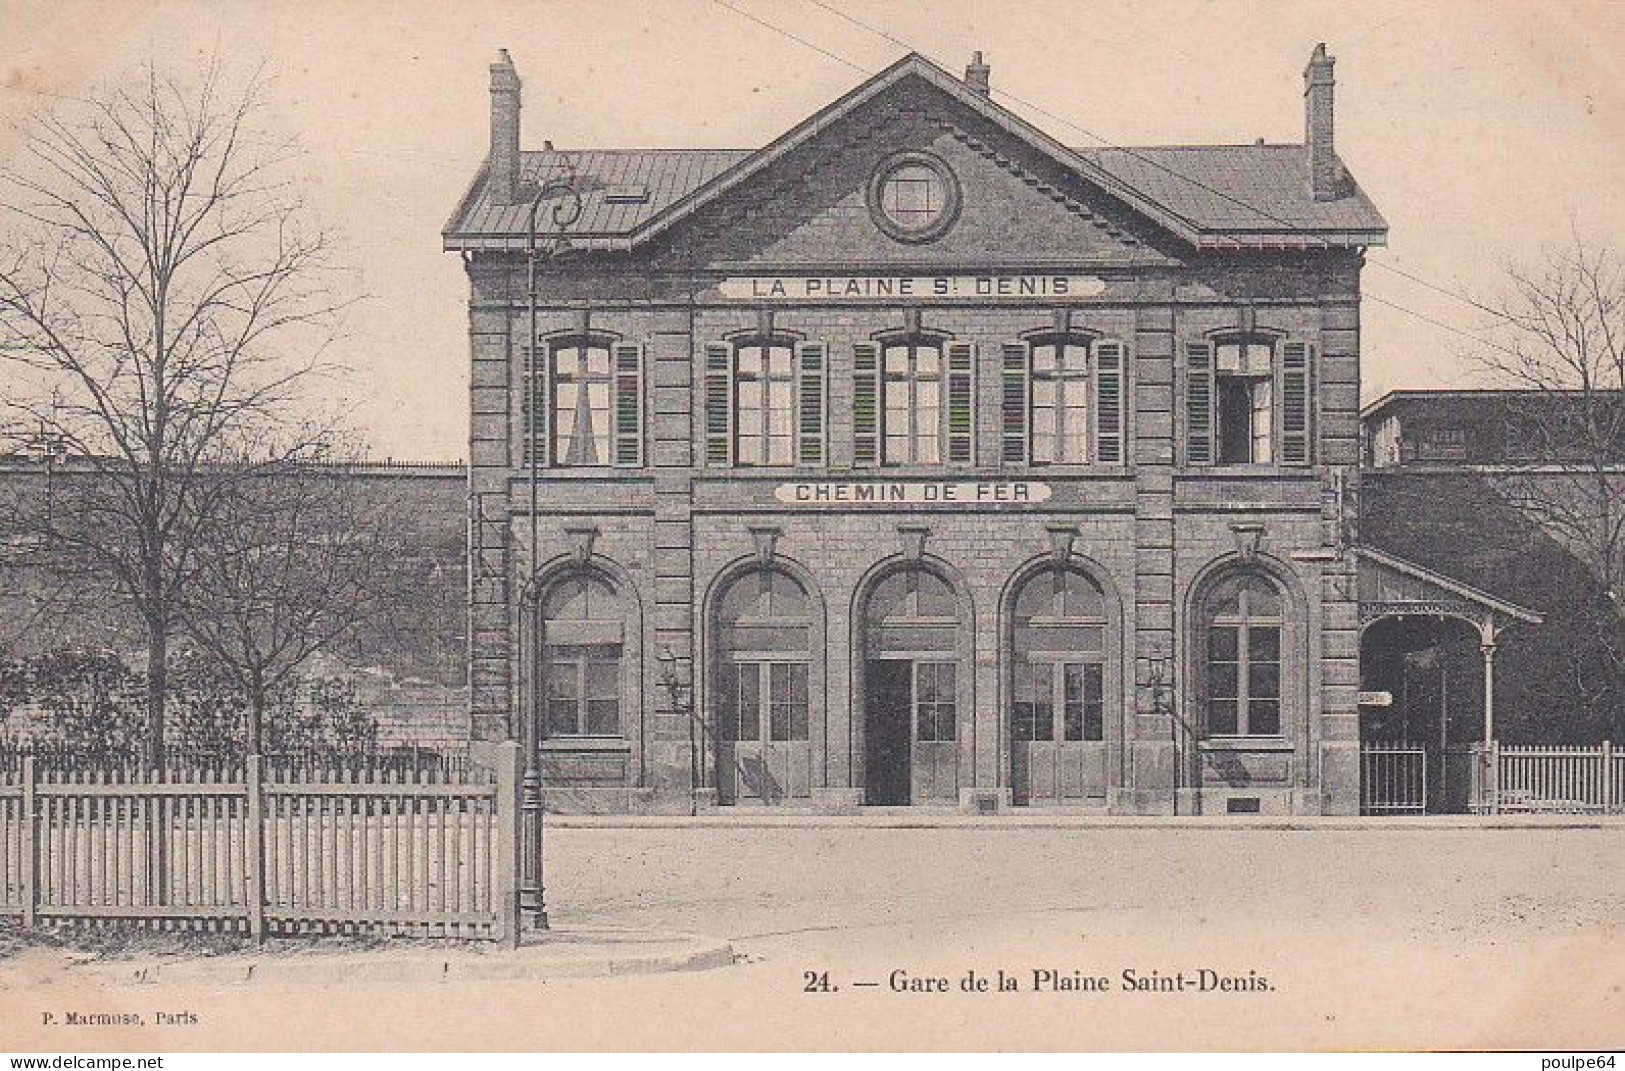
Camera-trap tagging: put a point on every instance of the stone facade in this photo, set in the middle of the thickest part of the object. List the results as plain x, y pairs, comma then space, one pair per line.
1154, 530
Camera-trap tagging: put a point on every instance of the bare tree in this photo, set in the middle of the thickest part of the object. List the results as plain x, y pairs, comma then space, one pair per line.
292, 560
1562, 326
165, 296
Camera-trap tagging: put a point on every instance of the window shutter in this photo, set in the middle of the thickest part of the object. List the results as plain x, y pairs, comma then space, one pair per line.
1109, 402
1295, 401
628, 404
866, 403
1015, 376
719, 404
533, 414
1198, 403
961, 403
812, 394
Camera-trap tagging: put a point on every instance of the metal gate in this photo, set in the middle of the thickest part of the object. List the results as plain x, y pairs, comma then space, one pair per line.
1393, 779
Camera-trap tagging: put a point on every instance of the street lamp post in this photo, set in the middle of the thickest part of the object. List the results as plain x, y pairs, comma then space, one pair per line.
679, 696
1161, 703
561, 189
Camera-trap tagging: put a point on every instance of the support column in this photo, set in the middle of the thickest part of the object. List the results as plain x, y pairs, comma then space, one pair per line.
1491, 791
1148, 778
677, 752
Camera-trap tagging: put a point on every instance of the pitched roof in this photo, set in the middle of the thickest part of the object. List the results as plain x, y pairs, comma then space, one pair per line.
1446, 584
608, 180
1242, 190
1227, 196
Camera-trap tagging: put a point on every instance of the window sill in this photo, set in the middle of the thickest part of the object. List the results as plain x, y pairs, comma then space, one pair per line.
586, 743
1245, 743
1231, 472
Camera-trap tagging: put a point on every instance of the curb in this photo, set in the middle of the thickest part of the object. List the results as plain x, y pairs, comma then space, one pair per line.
1099, 822
672, 952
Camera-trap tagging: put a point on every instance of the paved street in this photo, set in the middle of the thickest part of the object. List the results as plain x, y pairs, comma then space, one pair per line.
1369, 939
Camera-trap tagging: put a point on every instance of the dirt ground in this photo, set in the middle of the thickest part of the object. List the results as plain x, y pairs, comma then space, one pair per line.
883, 938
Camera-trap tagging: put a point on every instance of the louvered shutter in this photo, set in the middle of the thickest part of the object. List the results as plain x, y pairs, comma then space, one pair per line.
1109, 374
719, 404
1198, 403
1015, 373
961, 403
628, 358
812, 403
1295, 402
533, 414
866, 403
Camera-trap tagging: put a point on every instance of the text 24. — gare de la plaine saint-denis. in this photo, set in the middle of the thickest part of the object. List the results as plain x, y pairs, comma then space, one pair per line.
919, 459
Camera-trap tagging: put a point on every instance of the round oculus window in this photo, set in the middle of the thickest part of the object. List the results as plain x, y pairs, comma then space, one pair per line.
914, 198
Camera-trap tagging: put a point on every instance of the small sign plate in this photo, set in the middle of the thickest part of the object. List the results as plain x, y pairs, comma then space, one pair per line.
912, 492
843, 288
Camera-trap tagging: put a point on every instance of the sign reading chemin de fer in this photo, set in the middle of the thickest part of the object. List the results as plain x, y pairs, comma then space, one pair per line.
893, 287
912, 492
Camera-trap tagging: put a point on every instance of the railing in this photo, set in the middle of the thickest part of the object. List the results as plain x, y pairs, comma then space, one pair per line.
1545, 779
260, 849
1393, 779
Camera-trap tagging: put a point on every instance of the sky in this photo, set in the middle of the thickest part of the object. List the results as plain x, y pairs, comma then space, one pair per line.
1484, 132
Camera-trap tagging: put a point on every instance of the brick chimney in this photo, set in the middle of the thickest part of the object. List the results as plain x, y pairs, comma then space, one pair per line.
977, 75
1325, 170
503, 163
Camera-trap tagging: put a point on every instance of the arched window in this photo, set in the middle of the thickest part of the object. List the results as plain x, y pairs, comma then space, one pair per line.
1241, 648
1058, 688
912, 614
582, 636
765, 642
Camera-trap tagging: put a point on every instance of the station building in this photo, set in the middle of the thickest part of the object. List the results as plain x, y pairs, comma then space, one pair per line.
919, 458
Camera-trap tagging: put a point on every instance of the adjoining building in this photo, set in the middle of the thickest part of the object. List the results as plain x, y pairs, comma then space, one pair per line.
918, 458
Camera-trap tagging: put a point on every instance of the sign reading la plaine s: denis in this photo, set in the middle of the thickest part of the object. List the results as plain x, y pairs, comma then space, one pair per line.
892, 287
911, 492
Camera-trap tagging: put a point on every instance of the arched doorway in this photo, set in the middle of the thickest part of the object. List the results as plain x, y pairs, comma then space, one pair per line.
1059, 684
913, 681
1422, 685
764, 688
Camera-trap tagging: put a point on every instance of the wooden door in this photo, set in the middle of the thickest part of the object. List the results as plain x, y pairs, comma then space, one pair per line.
1058, 750
763, 755
936, 732
888, 689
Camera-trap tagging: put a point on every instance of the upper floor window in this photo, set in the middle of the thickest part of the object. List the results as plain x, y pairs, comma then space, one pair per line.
913, 402
582, 386
1063, 401
765, 402
585, 408
911, 416
1060, 403
1247, 401
1244, 374
765, 383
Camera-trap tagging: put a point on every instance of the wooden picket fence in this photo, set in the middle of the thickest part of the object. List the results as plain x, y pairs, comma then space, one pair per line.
1548, 779
265, 848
